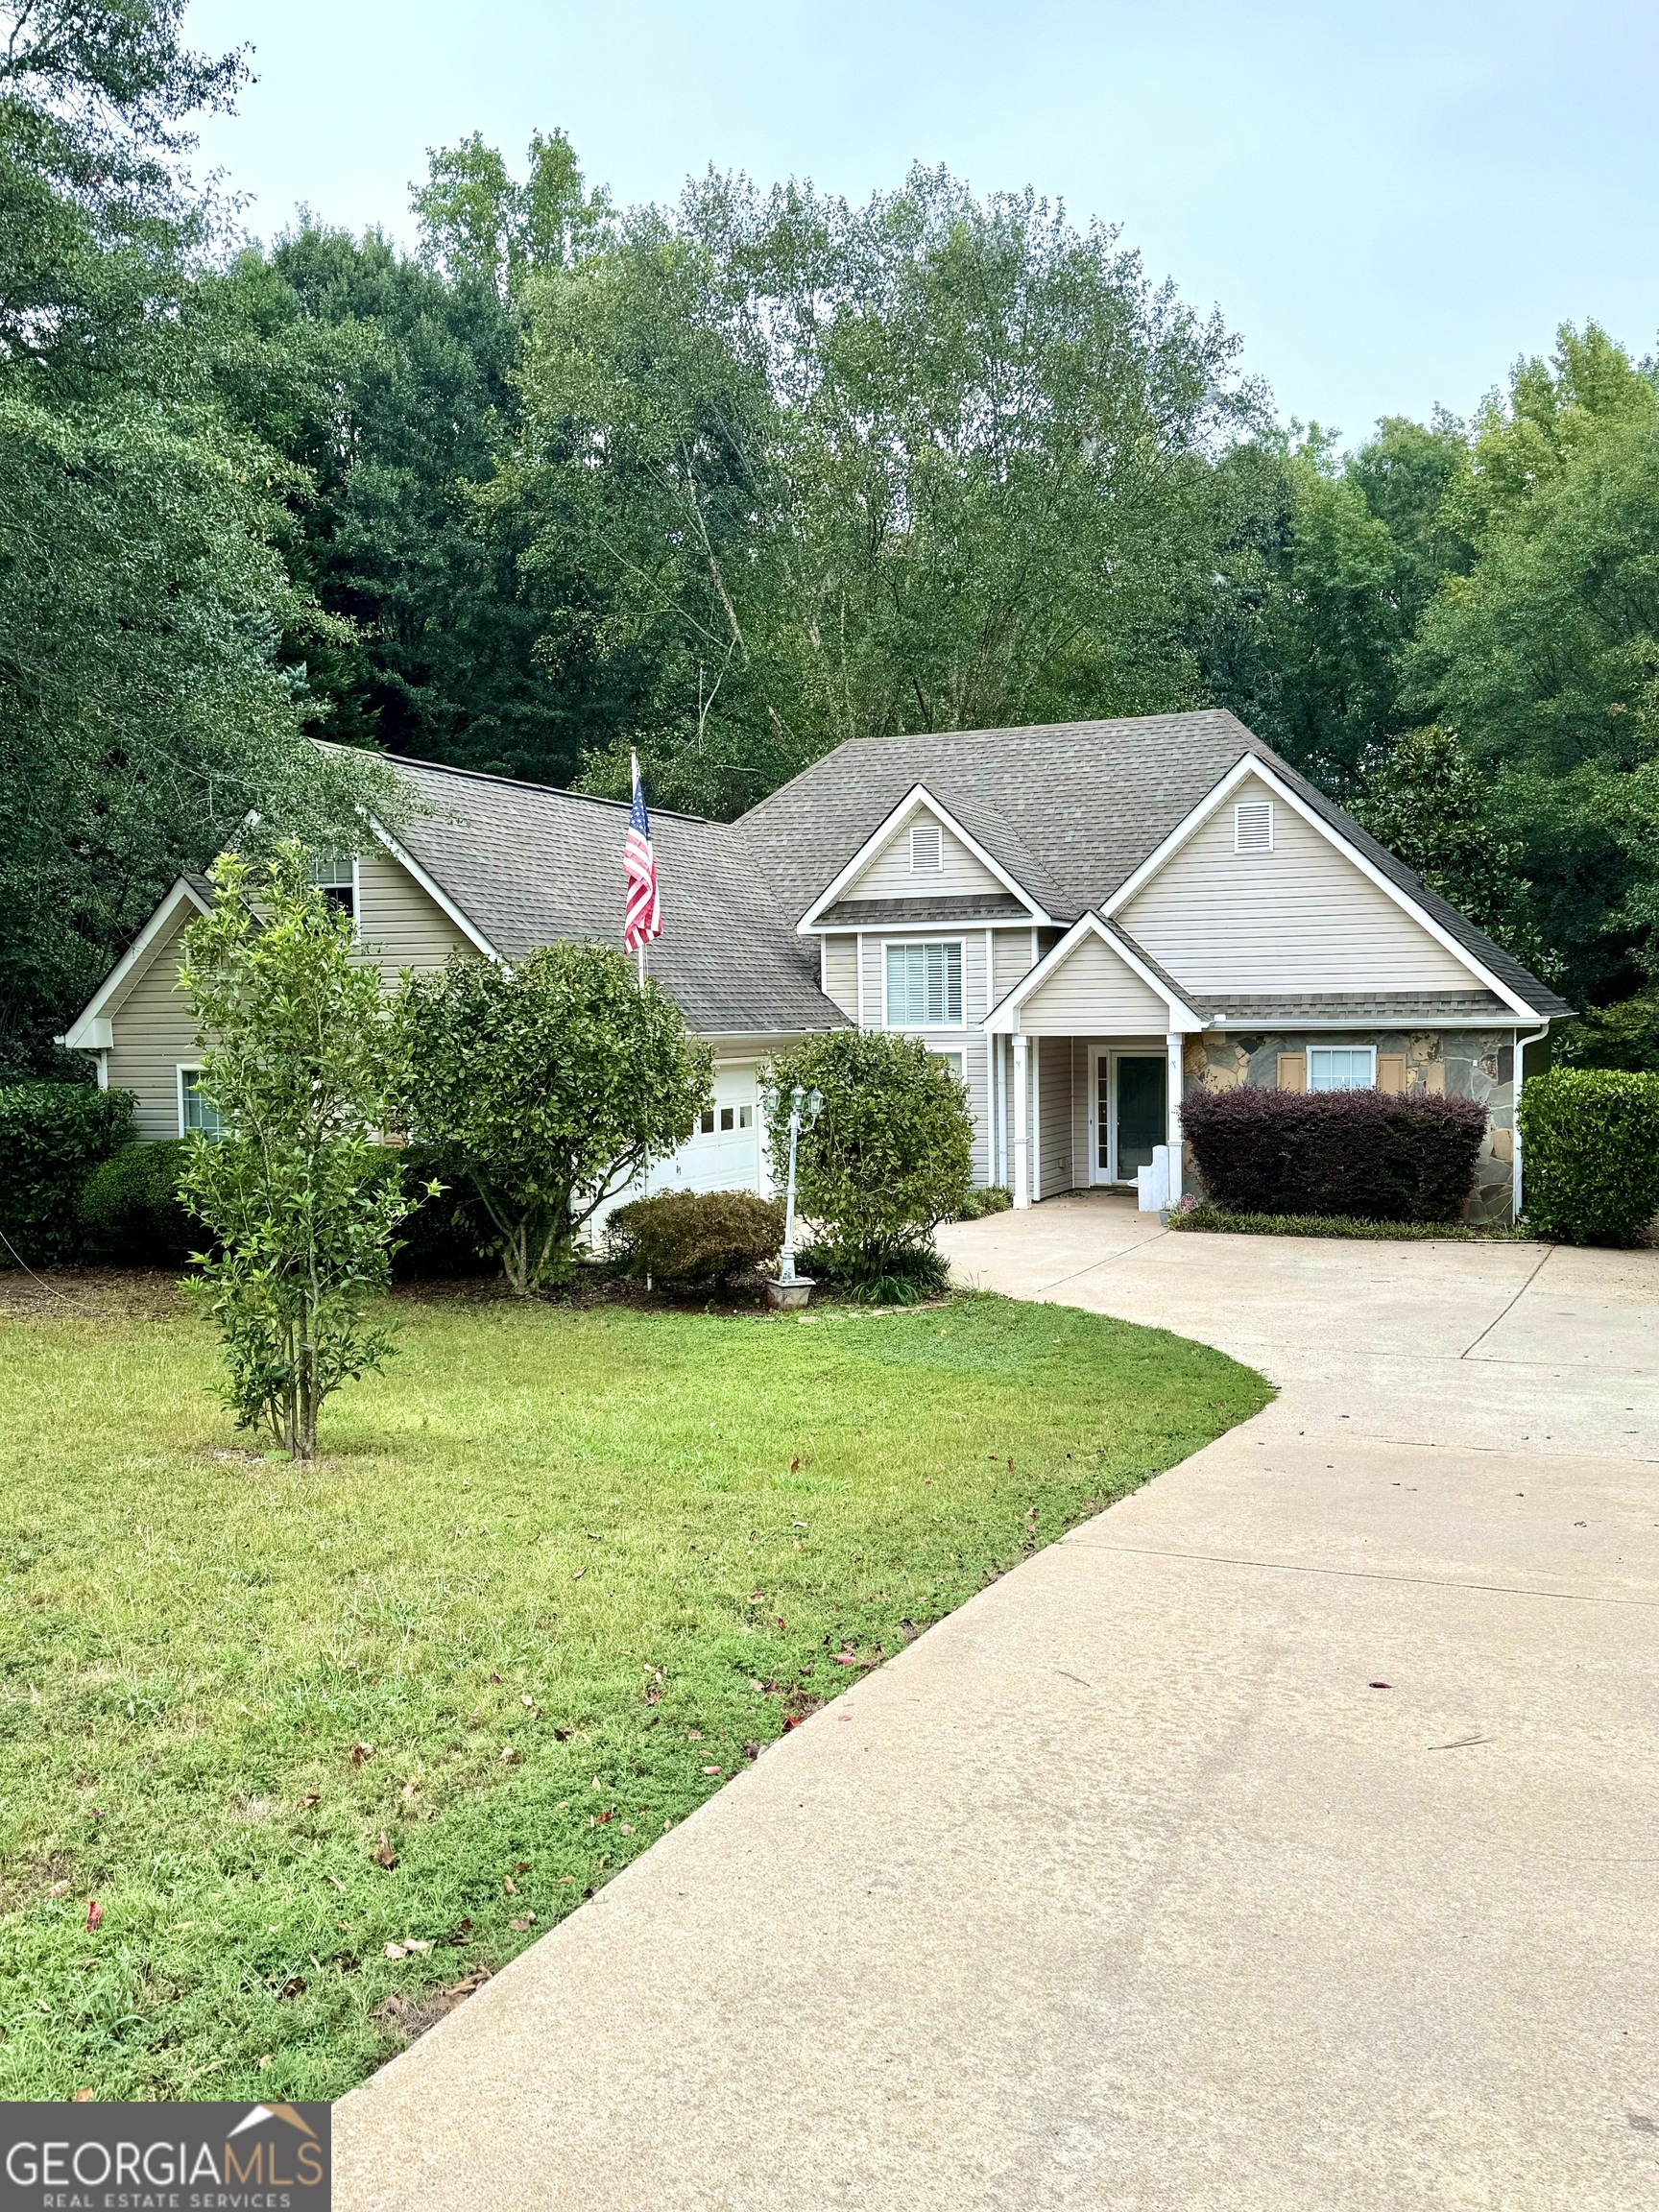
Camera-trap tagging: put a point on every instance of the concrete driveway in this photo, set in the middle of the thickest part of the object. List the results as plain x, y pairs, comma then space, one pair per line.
1287, 1840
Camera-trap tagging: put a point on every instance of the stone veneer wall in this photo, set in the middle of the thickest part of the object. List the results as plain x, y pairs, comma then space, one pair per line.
1463, 1062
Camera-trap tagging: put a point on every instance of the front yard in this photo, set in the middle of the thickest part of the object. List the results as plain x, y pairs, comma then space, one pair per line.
558, 1575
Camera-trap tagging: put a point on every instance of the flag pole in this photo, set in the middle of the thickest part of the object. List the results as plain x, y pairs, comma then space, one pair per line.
633, 763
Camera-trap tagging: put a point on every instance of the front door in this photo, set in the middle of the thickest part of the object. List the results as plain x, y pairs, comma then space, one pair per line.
1131, 1112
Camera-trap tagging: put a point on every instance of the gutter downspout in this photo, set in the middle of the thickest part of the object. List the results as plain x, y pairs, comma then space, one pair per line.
1521, 1044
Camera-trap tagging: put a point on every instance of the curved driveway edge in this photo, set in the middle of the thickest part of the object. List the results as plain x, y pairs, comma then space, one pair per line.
1128, 1886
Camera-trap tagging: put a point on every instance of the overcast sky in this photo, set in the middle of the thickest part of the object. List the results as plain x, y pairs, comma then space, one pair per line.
1388, 203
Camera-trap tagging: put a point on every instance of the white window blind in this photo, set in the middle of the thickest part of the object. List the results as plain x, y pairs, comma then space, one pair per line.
1341, 1067
1253, 825
923, 986
926, 849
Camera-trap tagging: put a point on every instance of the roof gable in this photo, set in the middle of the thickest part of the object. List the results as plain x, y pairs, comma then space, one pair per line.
1309, 912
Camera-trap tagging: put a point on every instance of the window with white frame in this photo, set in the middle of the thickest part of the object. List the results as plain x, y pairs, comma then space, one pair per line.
924, 986
1253, 825
926, 849
195, 1112
955, 1061
1342, 1068
337, 879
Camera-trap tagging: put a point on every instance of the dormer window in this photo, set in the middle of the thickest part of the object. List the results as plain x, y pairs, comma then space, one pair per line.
1253, 825
337, 881
926, 849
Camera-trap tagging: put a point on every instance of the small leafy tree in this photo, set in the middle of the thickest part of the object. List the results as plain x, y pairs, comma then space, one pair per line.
889, 1157
299, 1058
548, 1085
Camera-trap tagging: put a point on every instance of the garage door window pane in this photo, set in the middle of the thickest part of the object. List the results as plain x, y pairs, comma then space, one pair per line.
923, 986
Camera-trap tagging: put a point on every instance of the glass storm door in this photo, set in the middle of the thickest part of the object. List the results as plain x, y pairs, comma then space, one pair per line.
1141, 1117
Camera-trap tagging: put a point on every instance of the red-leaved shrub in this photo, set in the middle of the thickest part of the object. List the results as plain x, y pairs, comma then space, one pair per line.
1367, 1154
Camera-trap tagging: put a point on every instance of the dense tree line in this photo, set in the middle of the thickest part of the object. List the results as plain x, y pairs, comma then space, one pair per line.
728, 482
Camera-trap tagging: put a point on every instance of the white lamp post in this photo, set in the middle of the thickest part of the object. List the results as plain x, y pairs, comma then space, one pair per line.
805, 1108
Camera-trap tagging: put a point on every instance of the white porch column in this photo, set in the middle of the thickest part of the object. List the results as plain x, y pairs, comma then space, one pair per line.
1022, 1160
1173, 1110
1000, 1046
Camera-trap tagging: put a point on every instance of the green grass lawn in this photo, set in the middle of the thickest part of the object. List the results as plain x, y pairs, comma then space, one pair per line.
558, 1572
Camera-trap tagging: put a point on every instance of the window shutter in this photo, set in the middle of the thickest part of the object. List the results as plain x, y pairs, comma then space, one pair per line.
1391, 1072
1293, 1070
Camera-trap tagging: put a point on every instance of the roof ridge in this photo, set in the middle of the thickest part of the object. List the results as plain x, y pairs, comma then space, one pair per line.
522, 783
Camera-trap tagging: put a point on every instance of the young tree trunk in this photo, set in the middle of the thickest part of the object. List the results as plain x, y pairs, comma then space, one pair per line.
516, 1259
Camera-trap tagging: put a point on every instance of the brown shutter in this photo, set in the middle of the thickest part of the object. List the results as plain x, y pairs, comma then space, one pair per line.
1293, 1070
1391, 1072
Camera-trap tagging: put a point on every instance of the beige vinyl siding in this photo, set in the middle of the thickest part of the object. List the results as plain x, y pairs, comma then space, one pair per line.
1300, 918
1092, 990
888, 874
841, 973
154, 1034
1054, 1056
1011, 958
398, 923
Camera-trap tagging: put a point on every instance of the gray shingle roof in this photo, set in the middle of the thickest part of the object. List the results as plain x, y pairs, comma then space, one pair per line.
528, 864
872, 913
1388, 1009
1089, 800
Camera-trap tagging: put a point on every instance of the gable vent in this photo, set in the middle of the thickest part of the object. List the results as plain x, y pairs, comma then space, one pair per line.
926, 849
1253, 825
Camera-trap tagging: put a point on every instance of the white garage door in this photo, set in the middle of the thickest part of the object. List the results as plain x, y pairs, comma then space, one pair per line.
724, 1152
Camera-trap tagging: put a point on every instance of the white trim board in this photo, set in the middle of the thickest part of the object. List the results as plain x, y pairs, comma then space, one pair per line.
1252, 764
918, 795
1003, 1019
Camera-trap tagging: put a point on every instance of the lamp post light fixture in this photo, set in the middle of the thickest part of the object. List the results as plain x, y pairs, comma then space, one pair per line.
790, 1290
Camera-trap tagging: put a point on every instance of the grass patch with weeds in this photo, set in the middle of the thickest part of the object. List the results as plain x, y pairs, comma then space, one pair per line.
559, 1575
1217, 1218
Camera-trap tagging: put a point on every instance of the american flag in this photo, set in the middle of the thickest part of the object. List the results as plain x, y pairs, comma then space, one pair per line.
642, 915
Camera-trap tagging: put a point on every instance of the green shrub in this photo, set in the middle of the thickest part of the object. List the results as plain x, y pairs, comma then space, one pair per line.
1589, 1154
131, 1212
889, 1157
52, 1136
909, 1279
693, 1239
446, 1236
995, 1199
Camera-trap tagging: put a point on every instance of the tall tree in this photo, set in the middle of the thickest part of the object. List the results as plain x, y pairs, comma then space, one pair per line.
143, 713
1545, 655
824, 471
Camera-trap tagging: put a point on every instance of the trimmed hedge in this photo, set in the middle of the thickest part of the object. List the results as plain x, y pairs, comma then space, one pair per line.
52, 1136
131, 1212
1589, 1154
1368, 1155
690, 1239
